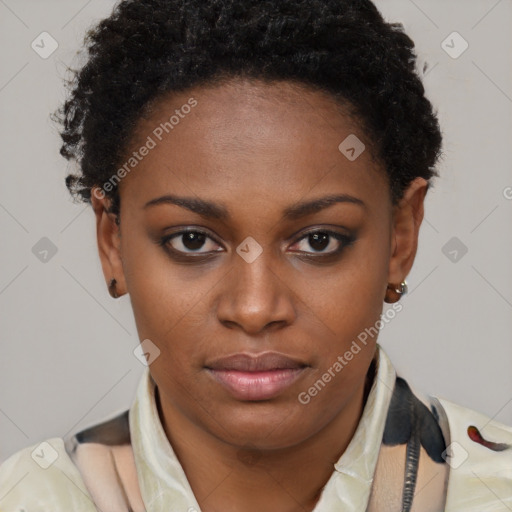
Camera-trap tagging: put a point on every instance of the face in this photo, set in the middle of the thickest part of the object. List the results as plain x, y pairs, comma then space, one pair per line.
246, 232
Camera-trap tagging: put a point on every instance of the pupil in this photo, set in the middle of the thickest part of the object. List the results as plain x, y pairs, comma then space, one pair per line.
193, 241
319, 241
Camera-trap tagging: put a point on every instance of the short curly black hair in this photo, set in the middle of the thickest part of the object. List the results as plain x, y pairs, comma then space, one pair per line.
148, 48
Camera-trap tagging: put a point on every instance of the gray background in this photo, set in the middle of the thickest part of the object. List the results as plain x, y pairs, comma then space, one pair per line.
67, 348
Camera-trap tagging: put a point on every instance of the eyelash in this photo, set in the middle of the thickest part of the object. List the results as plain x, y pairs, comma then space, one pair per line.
345, 241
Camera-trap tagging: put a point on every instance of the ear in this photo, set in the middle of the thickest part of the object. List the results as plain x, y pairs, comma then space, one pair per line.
109, 240
407, 218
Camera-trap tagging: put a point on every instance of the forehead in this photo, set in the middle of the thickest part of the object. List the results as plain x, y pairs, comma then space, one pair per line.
244, 137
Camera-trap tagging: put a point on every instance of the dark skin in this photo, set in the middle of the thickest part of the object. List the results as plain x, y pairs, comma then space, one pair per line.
257, 149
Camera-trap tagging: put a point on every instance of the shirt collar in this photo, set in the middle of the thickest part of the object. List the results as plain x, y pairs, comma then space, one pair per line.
349, 487
163, 483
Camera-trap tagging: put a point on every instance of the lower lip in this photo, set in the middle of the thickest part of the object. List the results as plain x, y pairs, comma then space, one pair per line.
256, 385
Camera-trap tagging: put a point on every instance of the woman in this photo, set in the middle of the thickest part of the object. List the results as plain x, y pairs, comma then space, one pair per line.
258, 173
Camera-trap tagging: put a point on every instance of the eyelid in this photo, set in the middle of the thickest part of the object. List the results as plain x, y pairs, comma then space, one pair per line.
178, 230
323, 228
164, 241
343, 239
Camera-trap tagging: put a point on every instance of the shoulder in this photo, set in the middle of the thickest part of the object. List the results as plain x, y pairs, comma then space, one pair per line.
438, 455
104, 456
88, 471
43, 475
479, 453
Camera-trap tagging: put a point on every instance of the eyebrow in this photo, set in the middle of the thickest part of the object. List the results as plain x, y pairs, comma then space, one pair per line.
298, 210
210, 209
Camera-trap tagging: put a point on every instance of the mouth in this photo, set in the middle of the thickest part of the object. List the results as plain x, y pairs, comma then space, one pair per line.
256, 377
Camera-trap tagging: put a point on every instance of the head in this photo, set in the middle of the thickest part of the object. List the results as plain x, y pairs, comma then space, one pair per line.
258, 173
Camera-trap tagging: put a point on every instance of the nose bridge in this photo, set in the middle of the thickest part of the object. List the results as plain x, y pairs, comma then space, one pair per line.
256, 276
254, 294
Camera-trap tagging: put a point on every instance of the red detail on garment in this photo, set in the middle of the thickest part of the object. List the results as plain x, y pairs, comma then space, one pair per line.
474, 435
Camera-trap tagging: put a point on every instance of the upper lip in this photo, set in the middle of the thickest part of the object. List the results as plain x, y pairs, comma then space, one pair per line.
245, 362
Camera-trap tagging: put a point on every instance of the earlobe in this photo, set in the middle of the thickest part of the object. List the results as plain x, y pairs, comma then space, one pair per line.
407, 219
109, 244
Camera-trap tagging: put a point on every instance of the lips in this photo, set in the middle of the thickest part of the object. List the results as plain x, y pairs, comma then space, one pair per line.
244, 362
256, 377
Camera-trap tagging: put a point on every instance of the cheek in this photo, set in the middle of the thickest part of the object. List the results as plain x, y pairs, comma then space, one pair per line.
352, 305
170, 307
350, 301
160, 293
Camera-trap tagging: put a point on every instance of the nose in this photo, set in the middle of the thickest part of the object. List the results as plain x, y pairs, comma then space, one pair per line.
255, 296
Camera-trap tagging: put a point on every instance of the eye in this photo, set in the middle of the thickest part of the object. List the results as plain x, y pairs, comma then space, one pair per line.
190, 242
324, 242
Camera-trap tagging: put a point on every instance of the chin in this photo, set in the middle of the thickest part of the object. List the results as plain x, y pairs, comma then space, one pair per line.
262, 425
